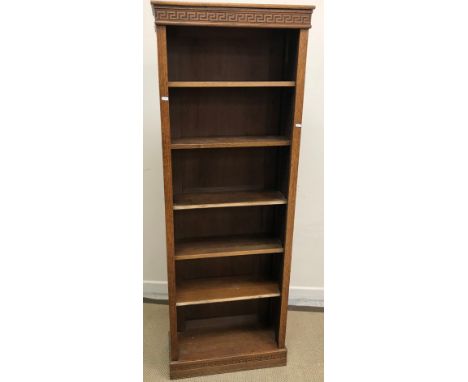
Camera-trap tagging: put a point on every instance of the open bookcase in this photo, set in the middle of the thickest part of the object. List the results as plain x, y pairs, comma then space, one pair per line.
231, 82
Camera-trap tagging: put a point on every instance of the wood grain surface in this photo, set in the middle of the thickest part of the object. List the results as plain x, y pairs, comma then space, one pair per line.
227, 246
212, 290
227, 199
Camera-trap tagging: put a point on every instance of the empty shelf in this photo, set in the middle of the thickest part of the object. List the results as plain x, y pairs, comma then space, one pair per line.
230, 84
226, 247
229, 142
222, 289
228, 199
225, 337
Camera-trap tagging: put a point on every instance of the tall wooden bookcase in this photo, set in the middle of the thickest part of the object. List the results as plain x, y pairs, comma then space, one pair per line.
231, 83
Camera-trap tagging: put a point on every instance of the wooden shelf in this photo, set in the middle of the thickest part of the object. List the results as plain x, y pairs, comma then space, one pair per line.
231, 84
229, 142
225, 337
226, 247
222, 289
224, 344
228, 199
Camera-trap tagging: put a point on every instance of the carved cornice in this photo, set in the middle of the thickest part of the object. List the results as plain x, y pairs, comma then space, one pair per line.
230, 16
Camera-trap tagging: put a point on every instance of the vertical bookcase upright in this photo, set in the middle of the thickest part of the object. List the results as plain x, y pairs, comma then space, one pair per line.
231, 83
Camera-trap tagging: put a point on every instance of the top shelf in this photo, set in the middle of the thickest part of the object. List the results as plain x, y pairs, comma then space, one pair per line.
231, 84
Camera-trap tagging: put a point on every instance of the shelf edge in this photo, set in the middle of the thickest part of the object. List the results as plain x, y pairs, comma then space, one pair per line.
231, 84
240, 298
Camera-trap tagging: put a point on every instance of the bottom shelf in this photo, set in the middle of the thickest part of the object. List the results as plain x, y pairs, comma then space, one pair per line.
224, 337
225, 344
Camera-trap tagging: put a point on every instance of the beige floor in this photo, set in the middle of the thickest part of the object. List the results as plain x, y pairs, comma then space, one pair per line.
304, 343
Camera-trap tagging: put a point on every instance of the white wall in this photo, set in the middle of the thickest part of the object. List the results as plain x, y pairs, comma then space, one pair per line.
307, 264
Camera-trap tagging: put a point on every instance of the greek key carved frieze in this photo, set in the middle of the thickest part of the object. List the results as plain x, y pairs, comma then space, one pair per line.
283, 18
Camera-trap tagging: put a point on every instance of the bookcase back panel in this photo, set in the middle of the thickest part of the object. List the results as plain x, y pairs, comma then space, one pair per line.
228, 169
232, 308
220, 112
220, 222
260, 311
231, 54
258, 266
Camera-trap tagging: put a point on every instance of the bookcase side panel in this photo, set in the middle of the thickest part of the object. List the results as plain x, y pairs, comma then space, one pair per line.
168, 193
293, 169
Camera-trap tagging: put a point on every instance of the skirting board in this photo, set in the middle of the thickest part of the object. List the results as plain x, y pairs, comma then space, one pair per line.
298, 296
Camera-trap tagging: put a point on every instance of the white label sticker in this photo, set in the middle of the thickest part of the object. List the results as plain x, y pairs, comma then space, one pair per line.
165, 98
298, 125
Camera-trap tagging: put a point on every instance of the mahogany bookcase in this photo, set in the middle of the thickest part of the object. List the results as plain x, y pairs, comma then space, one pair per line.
231, 83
